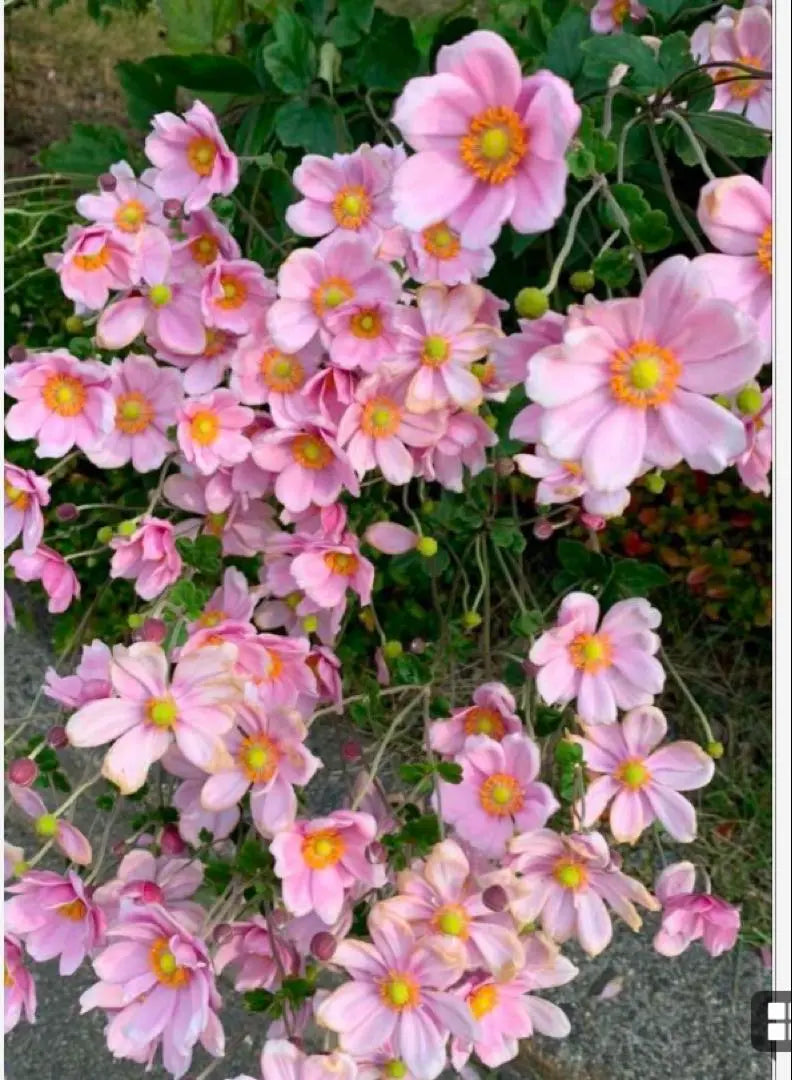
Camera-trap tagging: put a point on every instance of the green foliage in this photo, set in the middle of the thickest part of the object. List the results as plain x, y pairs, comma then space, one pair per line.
90, 149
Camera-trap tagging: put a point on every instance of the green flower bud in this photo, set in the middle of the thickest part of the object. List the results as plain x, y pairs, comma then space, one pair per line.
715, 750
105, 534
531, 303
749, 400
127, 528
471, 619
73, 324
392, 649
655, 482
426, 546
582, 280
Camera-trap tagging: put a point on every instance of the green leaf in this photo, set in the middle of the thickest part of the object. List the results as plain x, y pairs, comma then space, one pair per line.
387, 56
603, 53
147, 91
564, 42
252, 856
614, 267
674, 56
507, 535
291, 58
527, 623
258, 1000
632, 201
203, 553
652, 231
206, 71
666, 9
254, 130
636, 578
89, 149
412, 774
296, 990
450, 771
568, 753
574, 557
730, 134
195, 26
581, 162
352, 22
547, 720
316, 126
606, 153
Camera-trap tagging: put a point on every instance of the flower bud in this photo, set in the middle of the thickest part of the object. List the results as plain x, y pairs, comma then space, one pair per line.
531, 303
418, 646
171, 842
310, 624
427, 546
323, 945
715, 749
107, 182
154, 630
543, 530
135, 621
73, 324
582, 280
171, 209
150, 893
749, 400
471, 619
351, 751
428, 506
57, 737
495, 898
23, 771
127, 528
376, 853
17, 353
66, 512
655, 482
392, 649
46, 826
105, 534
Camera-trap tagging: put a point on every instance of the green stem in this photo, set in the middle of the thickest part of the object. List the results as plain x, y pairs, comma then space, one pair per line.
668, 187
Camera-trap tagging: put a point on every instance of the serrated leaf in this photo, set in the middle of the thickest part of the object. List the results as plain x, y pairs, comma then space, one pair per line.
195, 26
630, 198
207, 72
351, 23
387, 55
89, 149
636, 578
317, 126
147, 91
574, 557
450, 771
614, 267
581, 162
291, 58
652, 232
527, 623
603, 53
730, 134
564, 42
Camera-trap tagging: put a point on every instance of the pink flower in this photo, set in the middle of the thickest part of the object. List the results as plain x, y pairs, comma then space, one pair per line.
608, 16
499, 793
129, 208
148, 557
157, 986
492, 713
629, 382
55, 916
365, 334
463, 444
491, 144
66, 837
152, 709
256, 956
326, 667
748, 38
566, 881
318, 861
736, 213
398, 993
204, 369
442, 896
282, 1059
210, 431
20, 990
440, 340
205, 240
96, 259
192, 157
269, 758
147, 399
310, 467
641, 783
391, 538
326, 570
613, 666
261, 373
313, 282
511, 355
193, 819
242, 526
25, 494
689, 916
349, 193
61, 402
378, 428
58, 580
563, 481
506, 1011
436, 253
754, 465
232, 600
143, 878
235, 295
13, 860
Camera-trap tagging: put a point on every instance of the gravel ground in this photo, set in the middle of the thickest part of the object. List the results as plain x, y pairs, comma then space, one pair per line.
682, 1019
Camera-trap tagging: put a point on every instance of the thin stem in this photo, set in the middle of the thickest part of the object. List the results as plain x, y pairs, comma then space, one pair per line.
569, 239
625, 131
668, 187
510, 580
624, 224
697, 147
697, 709
384, 742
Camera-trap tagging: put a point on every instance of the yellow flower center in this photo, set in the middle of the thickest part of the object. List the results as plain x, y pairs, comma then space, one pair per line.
259, 756
234, 293
482, 721
204, 249
8, 981
366, 324
331, 294
495, 144
201, 154
633, 774
351, 207
744, 86
160, 295
311, 452
130, 216
283, 374
399, 991
74, 911
645, 375
91, 263
161, 712
452, 920
395, 1070
165, 965
64, 395
323, 848
17, 498
501, 795
435, 351
483, 1000
591, 652
215, 341
570, 874
381, 418
204, 427
441, 241
46, 826
215, 523
211, 618
764, 251
134, 413
340, 562
620, 11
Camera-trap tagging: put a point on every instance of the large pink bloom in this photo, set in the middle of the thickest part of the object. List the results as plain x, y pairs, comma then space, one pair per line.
325, 570
20, 990
205, 240
347, 192
235, 295
143, 878
269, 758
61, 402
689, 916
193, 819
129, 208
57, 578
641, 783
192, 157
602, 665
319, 861
499, 793
566, 881
148, 557
24, 495
365, 334
152, 709
736, 213
491, 144
492, 713
242, 525
89, 681
210, 431
147, 399
203, 369
563, 481
747, 38
313, 282
630, 382
231, 600
442, 896
96, 259
310, 467
261, 373
399, 992
463, 444
55, 915
66, 836
157, 986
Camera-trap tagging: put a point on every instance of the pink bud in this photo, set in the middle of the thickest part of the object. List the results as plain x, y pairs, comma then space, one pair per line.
57, 737
171, 842
418, 646
171, 209
376, 853
592, 521
17, 353
351, 751
323, 945
543, 530
495, 898
153, 630
23, 771
66, 512
107, 182
151, 893
280, 918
